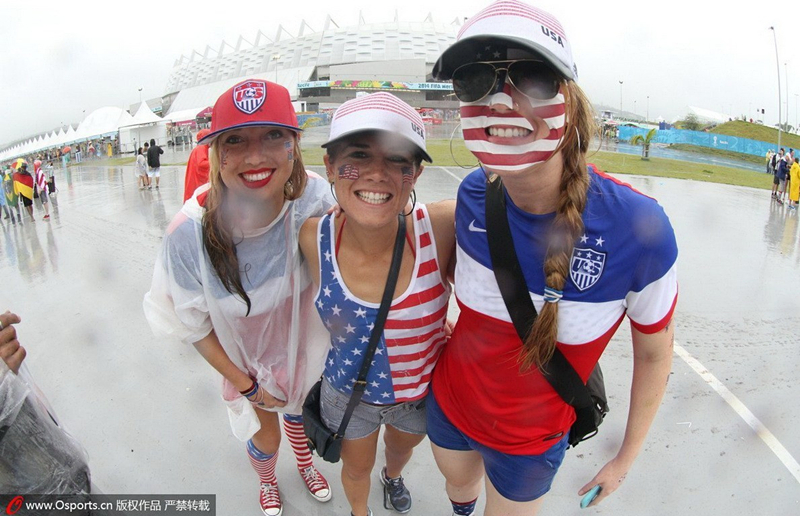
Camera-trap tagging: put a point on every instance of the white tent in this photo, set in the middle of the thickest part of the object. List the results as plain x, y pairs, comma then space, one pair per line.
144, 126
183, 115
105, 121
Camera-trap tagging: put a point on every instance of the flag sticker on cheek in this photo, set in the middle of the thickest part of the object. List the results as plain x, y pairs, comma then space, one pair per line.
408, 175
348, 172
289, 146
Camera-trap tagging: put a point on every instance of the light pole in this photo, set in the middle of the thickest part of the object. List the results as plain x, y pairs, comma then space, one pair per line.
140, 96
275, 58
620, 98
778, 63
786, 74
647, 116
634, 106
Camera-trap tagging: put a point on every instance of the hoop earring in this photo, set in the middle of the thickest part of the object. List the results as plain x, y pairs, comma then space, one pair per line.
452, 155
334, 194
413, 203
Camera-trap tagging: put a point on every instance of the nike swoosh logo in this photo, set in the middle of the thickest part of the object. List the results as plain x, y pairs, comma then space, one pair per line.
476, 229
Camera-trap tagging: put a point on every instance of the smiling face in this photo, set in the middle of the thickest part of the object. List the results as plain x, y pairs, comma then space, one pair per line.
256, 162
373, 174
509, 131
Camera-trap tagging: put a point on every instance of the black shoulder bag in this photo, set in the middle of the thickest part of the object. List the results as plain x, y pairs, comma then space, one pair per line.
588, 400
321, 439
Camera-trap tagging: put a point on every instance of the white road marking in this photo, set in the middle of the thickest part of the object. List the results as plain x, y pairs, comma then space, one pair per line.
752, 421
448, 172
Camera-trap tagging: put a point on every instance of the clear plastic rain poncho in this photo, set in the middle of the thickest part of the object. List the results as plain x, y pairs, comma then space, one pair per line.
37, 456
282, 343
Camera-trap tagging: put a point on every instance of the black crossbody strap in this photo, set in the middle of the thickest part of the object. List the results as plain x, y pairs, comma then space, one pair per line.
380, 320
508, 272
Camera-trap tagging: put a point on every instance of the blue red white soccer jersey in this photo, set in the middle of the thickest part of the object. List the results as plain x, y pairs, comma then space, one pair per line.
414, 332
624, 263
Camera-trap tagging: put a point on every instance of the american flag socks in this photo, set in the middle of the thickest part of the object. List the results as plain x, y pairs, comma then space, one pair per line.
317, 485
269, 497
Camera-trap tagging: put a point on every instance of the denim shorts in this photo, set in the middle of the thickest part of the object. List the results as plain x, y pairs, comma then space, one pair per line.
407, 417
520, 478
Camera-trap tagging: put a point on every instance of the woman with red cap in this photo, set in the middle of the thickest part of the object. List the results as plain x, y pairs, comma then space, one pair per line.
591, 250
230, 278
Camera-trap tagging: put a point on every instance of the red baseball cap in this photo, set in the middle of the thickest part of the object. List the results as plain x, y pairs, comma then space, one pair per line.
252, 103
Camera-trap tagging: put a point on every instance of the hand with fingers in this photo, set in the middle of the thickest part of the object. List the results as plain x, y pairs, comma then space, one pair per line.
261, 398
609, 478
10, 350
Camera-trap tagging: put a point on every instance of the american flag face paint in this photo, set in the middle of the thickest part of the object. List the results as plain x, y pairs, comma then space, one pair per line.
349, 172
289, 146
408, 175
484, 127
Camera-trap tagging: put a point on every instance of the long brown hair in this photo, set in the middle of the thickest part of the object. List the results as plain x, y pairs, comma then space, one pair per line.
217, 233
540, 345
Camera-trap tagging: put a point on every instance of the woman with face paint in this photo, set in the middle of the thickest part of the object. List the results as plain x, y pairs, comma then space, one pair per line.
591, 249
373, 160
230, 278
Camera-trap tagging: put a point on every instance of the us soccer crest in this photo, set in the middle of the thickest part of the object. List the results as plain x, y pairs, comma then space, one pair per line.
586, 267
250, 96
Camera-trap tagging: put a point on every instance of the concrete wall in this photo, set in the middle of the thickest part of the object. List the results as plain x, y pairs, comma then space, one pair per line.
402, 70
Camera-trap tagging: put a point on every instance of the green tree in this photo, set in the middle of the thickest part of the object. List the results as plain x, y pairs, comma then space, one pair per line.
691, 123
645, 141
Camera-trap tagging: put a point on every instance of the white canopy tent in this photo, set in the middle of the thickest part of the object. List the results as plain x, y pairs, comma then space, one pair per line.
144, 126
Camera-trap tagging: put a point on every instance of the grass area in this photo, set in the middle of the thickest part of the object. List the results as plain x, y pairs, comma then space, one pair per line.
758, 132
618, 163
759, 160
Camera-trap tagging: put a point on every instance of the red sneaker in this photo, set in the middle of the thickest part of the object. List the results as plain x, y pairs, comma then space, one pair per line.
270, 500
317, 485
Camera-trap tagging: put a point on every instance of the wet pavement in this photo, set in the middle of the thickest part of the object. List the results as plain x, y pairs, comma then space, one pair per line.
149, 414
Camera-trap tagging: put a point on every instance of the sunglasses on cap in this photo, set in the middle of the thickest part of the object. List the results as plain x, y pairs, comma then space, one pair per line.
535, 79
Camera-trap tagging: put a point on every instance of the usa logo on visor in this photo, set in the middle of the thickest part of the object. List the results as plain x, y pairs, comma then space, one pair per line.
250, 96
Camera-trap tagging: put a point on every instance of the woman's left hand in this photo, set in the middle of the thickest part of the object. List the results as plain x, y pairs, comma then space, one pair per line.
449, 326
336, 210
610, 477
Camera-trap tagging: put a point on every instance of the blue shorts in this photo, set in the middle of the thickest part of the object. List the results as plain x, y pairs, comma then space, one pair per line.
520, 478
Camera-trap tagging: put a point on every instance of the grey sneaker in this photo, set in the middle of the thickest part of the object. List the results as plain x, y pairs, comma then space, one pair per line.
395, 494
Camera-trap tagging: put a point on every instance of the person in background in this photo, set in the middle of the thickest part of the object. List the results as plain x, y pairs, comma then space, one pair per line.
196, 167
41, 188
141, 170
591, 250
23, 186
10, 194
794, 184
154, 161
230, 278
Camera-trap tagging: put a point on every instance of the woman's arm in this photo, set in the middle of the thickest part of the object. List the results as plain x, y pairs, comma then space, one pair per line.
443, 221
308, 246
652, 362
211, 349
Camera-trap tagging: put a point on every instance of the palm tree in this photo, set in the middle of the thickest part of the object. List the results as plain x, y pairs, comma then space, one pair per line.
645, 141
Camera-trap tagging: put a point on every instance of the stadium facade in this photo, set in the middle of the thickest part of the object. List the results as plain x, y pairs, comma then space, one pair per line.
323, 68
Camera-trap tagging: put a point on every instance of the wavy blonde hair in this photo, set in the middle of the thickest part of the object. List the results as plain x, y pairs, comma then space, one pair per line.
567, 226
217, 233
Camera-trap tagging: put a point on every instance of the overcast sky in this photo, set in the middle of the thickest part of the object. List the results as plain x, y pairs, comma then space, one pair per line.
61, 61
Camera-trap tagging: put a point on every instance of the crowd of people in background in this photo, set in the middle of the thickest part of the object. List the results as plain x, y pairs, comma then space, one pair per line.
785, 170
21, 188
